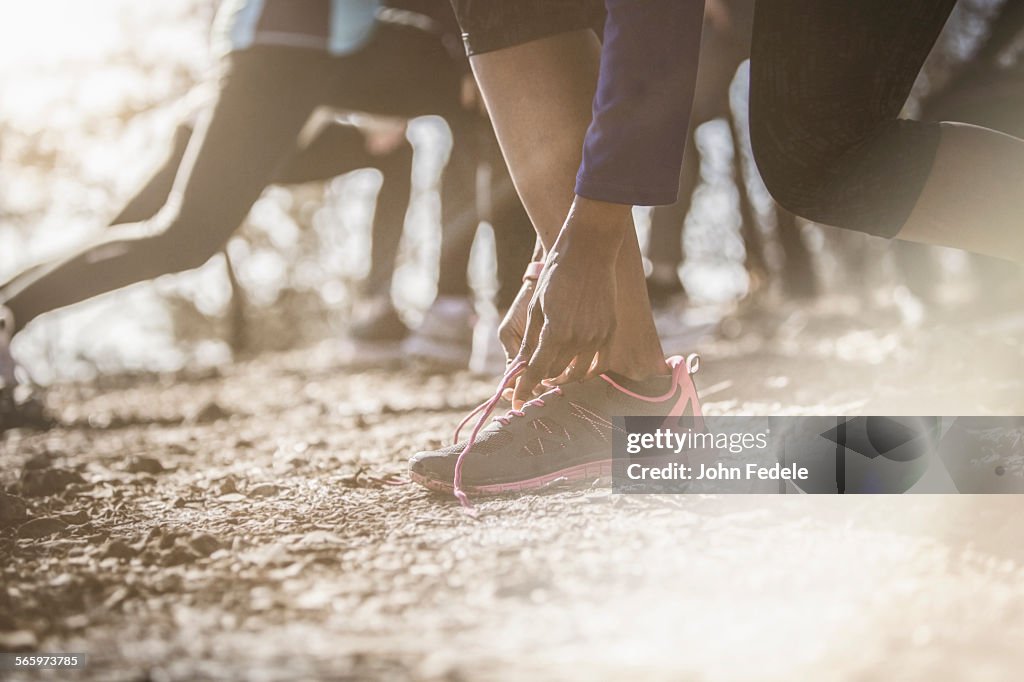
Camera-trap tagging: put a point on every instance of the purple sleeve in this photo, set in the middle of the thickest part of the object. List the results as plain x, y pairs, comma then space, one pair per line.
634, 146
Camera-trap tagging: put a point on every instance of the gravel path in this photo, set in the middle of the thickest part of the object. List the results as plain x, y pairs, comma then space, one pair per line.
240, 525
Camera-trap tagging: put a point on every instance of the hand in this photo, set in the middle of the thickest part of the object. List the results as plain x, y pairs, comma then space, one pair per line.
513, 327
572, 315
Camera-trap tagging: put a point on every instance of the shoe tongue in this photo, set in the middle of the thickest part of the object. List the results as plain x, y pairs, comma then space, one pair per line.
651, 388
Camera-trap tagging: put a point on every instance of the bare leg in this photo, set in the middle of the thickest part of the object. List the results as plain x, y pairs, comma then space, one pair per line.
225, 169
540, 95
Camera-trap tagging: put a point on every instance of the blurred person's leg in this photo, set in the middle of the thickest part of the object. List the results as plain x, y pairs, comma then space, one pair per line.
459, 209
750, 230
152, 196
444, 338
828, 83
142, 205
395, 167
337, 149
665, 248
380, 321
725, 44
514, 240
407, 72
799, 280
232, 157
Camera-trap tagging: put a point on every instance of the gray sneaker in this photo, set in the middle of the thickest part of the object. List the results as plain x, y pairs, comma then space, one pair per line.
564, 434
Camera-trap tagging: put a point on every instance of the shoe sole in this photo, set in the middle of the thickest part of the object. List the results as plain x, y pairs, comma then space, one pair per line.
580, 472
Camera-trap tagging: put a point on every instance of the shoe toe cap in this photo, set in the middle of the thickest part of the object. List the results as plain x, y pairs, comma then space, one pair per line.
433, 464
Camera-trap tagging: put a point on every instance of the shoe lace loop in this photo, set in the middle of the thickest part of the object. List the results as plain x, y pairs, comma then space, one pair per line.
507, 418
484, 411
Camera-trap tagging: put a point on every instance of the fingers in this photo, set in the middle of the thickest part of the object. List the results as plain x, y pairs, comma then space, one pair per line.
551, 359
536, 367
581, 367
600, 365
558, 368
558, 362
513, 326
510, 341
531, 340
531, 335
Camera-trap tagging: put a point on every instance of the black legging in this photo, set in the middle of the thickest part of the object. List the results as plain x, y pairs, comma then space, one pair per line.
336, 149
828, 80
247, 141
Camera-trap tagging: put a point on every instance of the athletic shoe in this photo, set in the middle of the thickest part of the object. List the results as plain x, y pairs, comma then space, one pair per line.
444, 340
565, 434
376, 320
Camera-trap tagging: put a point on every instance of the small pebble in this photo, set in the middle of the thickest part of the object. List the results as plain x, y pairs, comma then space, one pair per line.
40, 528
264, 490
144, 465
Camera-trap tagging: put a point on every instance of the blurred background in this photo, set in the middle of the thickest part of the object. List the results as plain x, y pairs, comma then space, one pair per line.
90, 93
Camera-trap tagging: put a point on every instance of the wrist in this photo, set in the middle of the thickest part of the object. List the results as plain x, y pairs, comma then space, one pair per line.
599, 217
600, 224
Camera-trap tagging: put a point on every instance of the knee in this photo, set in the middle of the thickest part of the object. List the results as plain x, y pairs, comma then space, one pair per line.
788, 166
863, 179
798, 162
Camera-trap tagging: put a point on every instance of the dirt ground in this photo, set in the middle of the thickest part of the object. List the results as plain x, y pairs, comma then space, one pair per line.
241, 525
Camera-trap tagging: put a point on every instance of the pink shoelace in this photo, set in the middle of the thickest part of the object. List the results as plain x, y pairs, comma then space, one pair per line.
682, 368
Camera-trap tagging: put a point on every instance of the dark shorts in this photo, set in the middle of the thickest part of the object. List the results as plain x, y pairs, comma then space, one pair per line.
489, 25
